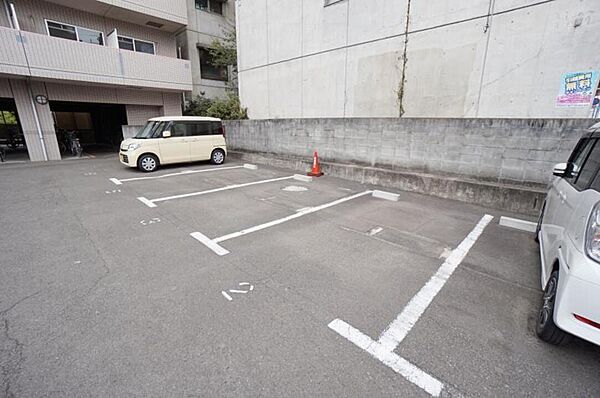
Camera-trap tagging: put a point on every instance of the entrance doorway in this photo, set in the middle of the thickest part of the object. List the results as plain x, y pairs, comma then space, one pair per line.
98, 126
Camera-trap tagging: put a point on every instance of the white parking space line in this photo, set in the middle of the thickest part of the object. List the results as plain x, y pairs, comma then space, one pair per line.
226, 188
386, 195
516, 223
404, 322
184, 172
213, 244
145, 201
400, 365
288, 218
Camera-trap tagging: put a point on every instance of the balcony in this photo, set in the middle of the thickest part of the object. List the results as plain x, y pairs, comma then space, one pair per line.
168, 15
45, 57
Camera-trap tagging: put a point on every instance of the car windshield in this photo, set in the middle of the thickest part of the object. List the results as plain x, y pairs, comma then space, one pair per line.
151, 130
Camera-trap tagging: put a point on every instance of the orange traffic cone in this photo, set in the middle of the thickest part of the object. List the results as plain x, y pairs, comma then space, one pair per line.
316, 167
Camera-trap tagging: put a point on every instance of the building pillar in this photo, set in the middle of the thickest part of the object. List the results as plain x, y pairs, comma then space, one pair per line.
24, 93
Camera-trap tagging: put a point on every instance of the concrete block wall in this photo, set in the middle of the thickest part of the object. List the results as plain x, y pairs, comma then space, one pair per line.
506, 151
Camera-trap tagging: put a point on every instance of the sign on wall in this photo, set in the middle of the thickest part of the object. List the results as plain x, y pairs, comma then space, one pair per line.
577, 89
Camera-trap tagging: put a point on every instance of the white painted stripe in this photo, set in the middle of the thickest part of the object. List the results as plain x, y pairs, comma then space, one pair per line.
145, 201
516, 223
386, 195
399, 328
375, 231
400, 365
184, 172
211, 244
238, 291
289, 218
250, 166
116, 181
302, 178
228, 297
235, 186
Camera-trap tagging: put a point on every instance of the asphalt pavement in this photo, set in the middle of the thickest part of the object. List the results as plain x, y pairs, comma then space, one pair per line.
296, 290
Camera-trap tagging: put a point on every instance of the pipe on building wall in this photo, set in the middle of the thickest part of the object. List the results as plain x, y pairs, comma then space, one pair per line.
13, 17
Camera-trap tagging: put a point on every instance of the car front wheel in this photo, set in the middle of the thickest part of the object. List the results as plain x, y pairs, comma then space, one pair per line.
546, 328
148, 163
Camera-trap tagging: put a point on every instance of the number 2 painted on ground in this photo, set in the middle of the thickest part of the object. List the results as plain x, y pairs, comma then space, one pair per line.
245, 285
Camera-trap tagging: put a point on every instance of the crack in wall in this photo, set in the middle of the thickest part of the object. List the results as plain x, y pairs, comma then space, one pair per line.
404, 61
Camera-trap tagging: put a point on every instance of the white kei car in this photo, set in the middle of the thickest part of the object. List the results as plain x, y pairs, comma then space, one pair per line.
569, 236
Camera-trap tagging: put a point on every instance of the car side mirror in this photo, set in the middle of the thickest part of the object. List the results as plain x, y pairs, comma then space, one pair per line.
560, 169
166, 134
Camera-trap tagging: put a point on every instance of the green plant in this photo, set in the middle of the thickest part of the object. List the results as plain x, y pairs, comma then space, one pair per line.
227, 108
224, 53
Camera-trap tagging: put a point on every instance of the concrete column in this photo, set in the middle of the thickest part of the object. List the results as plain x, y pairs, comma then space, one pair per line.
23, 97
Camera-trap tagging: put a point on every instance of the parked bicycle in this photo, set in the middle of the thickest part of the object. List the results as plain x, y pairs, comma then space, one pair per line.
69, 141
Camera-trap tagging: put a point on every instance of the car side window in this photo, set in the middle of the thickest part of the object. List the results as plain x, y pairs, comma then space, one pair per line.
158, 129
215, 128
578, 158
591, 170
198, 128
178, 129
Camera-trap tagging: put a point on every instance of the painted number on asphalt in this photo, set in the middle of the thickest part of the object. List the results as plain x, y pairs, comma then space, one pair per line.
150, 221
245, 287
112, 191
89, 174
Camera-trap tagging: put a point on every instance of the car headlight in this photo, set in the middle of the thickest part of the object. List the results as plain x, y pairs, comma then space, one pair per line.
133, 147
592, 235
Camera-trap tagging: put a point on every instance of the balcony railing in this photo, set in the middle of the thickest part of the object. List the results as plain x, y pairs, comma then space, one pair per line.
41, 56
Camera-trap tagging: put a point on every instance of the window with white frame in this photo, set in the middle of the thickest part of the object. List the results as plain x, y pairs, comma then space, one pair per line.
215, 6
76, 33
131, 44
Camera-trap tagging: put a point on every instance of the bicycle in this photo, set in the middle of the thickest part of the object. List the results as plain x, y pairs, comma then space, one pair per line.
68, 141
74, 144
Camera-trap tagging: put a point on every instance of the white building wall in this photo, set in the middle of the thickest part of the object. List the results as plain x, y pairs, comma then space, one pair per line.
473, 58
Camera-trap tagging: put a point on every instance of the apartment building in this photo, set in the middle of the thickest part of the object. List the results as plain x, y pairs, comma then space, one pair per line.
208, 20
95, 66
430, 58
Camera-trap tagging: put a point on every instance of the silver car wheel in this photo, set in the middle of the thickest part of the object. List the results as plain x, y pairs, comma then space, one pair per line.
148, 163
218, 157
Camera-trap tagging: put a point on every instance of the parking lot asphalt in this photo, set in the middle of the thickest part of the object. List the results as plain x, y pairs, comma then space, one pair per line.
102, 295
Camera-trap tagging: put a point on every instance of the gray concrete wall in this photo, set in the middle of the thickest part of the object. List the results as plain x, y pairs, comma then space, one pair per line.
468, 58
506, 151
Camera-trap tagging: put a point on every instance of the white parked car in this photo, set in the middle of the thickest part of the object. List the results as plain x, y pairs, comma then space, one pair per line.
569, 236
175, 139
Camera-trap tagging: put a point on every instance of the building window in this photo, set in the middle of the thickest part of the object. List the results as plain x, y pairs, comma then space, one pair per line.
71, 32
210, 71
215, 6
131, 44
